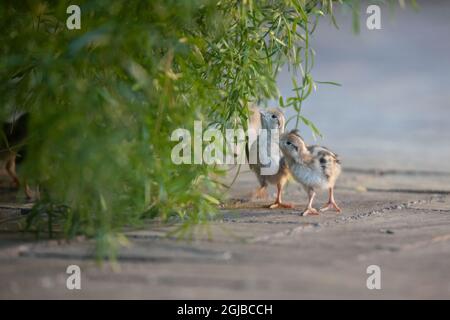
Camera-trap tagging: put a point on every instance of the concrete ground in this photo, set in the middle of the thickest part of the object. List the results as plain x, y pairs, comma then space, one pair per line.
389, 122
258, 253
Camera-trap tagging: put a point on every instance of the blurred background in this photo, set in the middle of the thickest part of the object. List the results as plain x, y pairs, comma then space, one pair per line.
393, 108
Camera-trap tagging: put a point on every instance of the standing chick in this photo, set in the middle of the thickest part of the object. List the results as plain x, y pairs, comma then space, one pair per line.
12, 139
315, 167
272, 119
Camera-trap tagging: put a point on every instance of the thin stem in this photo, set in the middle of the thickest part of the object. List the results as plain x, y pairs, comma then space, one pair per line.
305, 73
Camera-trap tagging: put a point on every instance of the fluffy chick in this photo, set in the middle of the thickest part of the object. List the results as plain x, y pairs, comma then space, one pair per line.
272, 119
315, 167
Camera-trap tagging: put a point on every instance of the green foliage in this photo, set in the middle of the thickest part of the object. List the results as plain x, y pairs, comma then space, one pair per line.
105, 99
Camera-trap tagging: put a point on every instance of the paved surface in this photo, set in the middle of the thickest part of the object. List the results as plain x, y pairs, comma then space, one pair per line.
259, 253
389, 122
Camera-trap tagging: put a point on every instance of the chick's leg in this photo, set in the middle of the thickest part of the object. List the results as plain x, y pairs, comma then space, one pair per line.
331, 204
260, 193
310, 211
28, 191
11, 169
277, 203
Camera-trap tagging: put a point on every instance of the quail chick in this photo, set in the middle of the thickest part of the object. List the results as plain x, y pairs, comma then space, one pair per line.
272, 119
12, 138
315, 167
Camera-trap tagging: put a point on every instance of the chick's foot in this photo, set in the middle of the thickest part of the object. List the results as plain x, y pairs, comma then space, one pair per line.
277, 205
310, 212
261, 193
330, 206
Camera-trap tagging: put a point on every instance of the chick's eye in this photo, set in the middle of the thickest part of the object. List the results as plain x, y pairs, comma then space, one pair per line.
288, 143
274, 116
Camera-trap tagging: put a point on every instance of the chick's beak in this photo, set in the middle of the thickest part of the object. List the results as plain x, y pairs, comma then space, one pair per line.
262, 113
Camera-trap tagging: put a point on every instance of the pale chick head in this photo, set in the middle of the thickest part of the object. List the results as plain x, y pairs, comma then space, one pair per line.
272, 118
292, 145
